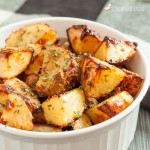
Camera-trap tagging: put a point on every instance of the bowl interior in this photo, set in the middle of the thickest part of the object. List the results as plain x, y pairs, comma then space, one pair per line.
60, 24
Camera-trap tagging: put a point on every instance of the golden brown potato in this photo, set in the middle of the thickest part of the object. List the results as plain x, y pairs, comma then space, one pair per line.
35, 66
64, 109
16, 114
131, 83
98, 78
38, 33
115, 51
59, 72
13, 62
83, 40
83, 122
45, 128
110, 107
17, 86
36, 48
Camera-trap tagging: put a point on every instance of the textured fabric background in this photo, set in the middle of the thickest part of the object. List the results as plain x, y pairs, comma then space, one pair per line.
137, 23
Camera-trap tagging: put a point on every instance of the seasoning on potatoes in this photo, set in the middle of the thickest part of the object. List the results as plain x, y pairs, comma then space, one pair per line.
115, 51
13, 61
98, 78
83, 40
64, 109
39, 33
17, 86
16, 114
110, 107
59, 72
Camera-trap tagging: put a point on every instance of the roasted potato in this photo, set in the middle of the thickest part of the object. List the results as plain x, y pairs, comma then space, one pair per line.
131, 83
83, 122
83, 40
64, 109
16, 114
36, 48
59, 72
98, 78
36, 65
38, 33
13, 62
115, 51
110, 107
17, 86
45, 128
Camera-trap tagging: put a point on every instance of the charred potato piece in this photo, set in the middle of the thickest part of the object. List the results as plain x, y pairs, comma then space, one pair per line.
64, 109
59, 72
110, 107
83, 122
131, 83
19, 87
39, 33
45, 128
98, 78
13, 62
38, 116
16, 114
115, 51
83, 40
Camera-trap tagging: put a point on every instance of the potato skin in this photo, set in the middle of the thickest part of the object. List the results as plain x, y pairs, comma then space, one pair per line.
110, 107
59, 73
98, 78
16, 114
115, 51
82, 39
64, 109
39, 33
17, 86
131, 83
14, 62
45, 128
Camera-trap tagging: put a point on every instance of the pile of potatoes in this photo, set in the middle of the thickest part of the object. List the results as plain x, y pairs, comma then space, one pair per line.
48, 87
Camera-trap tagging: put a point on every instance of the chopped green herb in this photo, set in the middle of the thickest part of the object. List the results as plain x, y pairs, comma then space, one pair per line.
43, 78
57, 65
105, 76
17, 111
19, 105
59, 84
49, 106
77, 113
3, 105
55, 54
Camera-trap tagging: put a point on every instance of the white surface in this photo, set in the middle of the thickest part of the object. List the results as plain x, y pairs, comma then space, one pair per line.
114, 134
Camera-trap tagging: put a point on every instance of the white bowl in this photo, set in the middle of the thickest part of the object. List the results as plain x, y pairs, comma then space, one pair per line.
113, 134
